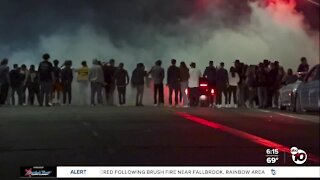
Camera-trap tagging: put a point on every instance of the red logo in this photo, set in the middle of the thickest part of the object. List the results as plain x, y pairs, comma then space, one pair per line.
28, 172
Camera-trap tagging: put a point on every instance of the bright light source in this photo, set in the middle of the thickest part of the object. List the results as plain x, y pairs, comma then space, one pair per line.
203, 97
203, 85
212, 91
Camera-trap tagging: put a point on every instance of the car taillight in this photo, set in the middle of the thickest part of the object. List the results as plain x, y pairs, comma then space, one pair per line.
186, 91
212, 91
203, 85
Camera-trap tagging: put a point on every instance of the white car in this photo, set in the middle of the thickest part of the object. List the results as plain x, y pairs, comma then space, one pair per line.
287, 96
288, 93
308, 92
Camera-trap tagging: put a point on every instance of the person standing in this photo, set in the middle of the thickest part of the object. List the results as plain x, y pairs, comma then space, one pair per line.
109, 70
304, 66
252, 84
96, 78
23, 77
57, 86
184, 78
210, 75
277, 86
241, 85
262, 83
122, 79
66, 81
173, 77
157, 74
82, 79
272, 78
46, 79
233, 86
137, 81
33, 85
222, 85
15, 83
4, 81
195, 75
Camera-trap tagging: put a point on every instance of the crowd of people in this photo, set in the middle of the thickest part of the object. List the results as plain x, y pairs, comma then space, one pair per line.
247, 85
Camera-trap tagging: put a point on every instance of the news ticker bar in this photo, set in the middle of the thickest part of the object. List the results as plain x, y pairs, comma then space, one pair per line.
188, 172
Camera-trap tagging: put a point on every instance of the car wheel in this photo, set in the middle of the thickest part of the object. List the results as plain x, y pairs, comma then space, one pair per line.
280, 106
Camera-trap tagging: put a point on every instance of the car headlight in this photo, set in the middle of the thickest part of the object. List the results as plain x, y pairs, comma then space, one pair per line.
294, 90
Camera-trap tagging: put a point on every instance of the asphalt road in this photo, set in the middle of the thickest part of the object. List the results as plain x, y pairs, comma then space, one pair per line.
150, 136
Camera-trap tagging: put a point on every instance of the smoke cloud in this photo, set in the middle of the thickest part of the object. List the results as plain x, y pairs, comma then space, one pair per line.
144, 31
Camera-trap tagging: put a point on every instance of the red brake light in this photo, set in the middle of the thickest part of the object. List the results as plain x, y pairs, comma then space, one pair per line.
203, 85
212, 91
186, 91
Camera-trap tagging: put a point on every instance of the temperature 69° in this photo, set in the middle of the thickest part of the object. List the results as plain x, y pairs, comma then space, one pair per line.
272, 160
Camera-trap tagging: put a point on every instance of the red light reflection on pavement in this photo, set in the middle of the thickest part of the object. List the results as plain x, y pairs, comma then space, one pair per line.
244, 135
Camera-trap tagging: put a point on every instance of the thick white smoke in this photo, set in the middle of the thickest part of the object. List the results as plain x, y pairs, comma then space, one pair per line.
275, 32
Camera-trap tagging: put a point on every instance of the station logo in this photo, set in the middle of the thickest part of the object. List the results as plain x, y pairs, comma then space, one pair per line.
299, 156
37, 171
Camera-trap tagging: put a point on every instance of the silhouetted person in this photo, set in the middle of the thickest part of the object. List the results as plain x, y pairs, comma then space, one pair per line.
4, 81
222, 84
57, 86
33, 85
194, 94
109, 71
66, 81
16, 83
137, 81
241, 85
304, 66
97, 81
184, 78
233, 85
157, 74
121, 78
277, 86
210, 74
83, 79
46, 79
262, 83
289, 78
22, 89
272, 78
173, 77
251, 81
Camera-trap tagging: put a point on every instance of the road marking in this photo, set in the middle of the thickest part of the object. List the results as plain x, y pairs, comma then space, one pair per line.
242, 134
291, 116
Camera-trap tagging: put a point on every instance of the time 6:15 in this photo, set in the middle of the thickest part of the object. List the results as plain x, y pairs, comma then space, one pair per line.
272, 151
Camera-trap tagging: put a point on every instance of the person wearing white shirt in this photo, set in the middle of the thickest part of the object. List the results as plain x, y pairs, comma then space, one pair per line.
233, 85
193, 82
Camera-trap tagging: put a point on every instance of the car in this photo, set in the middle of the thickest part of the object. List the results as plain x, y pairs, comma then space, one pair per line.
287, 94
205, 92
307, 94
